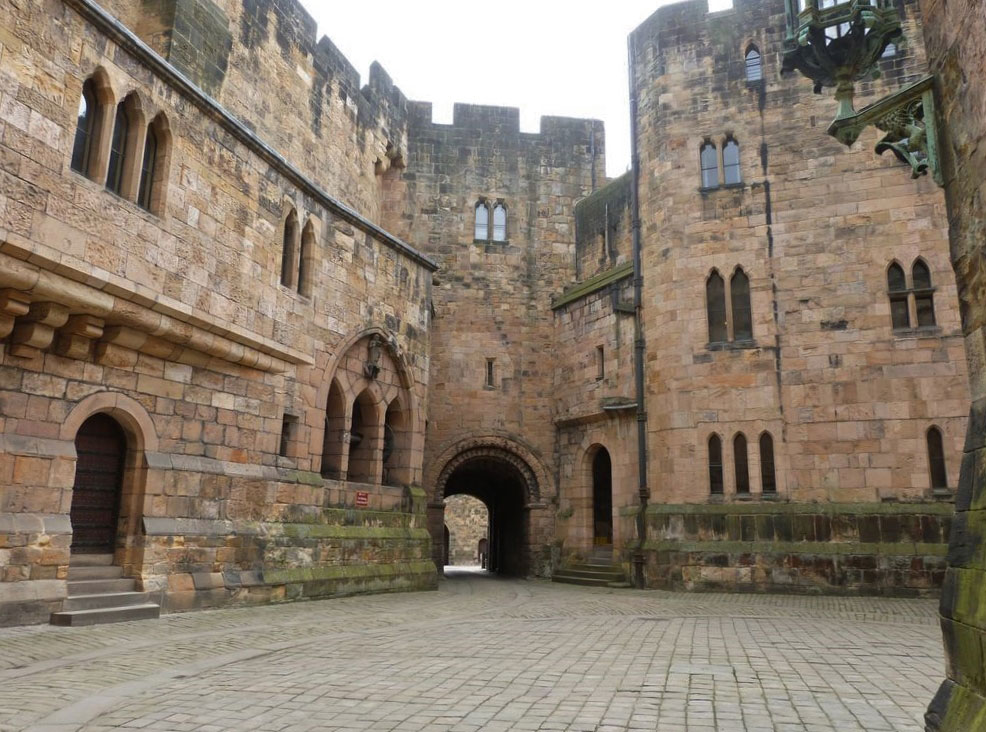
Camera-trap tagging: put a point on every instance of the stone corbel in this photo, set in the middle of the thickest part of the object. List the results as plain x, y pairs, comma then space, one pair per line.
75, 339
35, 331
908, 118
13, 304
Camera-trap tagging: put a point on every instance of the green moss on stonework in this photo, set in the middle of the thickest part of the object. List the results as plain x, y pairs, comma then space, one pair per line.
347, 572
335, 531
828, 509
826, 548
966, 711
594, 284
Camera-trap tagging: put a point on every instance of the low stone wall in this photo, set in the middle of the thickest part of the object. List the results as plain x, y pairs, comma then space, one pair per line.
886, 548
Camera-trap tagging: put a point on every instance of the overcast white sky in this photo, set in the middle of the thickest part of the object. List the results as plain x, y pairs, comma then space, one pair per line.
548, 57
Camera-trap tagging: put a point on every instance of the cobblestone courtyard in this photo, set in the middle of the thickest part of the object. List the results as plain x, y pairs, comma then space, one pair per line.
487, 654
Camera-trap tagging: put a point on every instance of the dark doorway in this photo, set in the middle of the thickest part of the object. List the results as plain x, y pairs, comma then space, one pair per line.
101, 447
602, 498
499, 485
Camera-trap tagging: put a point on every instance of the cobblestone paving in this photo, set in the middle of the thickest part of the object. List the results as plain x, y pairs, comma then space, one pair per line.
488, 654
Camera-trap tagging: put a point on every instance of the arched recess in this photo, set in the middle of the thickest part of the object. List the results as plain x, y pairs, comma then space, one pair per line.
396, 447
346, 373
365, 438
333, 439
306, 260
602, 497
141, 440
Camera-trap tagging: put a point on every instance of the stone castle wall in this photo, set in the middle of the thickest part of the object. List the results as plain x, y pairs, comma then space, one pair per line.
176, 323
493, 301
846, 399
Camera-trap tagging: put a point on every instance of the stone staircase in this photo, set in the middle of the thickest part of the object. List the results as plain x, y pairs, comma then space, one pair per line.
98, 593
596, 571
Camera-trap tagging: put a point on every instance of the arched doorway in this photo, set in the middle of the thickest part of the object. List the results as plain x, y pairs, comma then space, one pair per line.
602, 498
504, 483
101, 447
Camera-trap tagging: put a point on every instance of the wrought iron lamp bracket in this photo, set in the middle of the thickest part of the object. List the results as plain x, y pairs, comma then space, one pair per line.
908, 119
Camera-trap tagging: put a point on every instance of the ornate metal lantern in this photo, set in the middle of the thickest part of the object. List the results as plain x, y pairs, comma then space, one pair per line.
836, 43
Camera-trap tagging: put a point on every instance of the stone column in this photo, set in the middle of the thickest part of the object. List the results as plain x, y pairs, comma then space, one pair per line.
955, 37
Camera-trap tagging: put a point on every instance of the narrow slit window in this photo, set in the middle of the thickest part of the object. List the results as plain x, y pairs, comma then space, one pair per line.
499, 222
118, 149
489, 372
754, 65
936, 460
600, 363
739, 295
924, 297
768, 478
900, 315
147, 172
742, 464
715, 296
715, 465
731, 163
482, 228
85, 128
709, 158
288, 426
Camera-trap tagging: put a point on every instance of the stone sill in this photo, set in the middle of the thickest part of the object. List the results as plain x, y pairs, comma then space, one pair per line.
922, 331
744, 345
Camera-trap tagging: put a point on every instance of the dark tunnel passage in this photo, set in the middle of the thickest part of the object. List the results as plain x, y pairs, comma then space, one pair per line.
500, 486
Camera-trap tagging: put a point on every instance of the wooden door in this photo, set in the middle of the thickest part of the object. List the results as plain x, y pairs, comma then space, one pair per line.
101, 447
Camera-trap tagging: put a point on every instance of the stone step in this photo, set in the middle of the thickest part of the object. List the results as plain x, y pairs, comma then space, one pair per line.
94, 572
104, 600
106, 615
90, 560
99, 586
573, 580
593, 573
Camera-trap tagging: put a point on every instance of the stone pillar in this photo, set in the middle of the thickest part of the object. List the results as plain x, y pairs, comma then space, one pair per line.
955, 37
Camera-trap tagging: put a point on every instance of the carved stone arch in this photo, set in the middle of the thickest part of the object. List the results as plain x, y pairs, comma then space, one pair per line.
402, 366
142, 442
130, 413
535, 476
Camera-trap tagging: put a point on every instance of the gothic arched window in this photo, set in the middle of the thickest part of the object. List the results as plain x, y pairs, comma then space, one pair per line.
499, 222
715, 303
482, 228
900, 315
289, 249
768, 478
739, 295
754, 65
715, 465
118, 149
86, 128
924, 293
741, 463
936, 460
709, 158
731, 162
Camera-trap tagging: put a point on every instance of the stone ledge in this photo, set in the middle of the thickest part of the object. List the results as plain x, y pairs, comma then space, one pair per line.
36, 446
826, 548
33, 590
34, 523
936, 508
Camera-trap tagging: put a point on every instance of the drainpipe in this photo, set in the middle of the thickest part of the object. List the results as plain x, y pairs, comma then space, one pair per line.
638, 332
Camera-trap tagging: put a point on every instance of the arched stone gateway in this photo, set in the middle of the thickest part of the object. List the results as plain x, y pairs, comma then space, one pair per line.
509, 487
